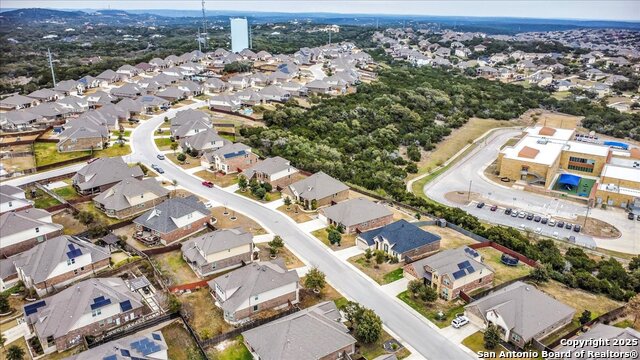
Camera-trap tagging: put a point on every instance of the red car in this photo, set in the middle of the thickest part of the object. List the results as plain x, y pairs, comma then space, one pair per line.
208, 184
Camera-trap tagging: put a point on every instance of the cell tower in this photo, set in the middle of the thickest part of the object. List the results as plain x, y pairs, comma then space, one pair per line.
250, 36
204, 25
53, 74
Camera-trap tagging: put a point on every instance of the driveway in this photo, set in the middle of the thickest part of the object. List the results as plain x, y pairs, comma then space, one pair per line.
318, 73
413, 329
457, 335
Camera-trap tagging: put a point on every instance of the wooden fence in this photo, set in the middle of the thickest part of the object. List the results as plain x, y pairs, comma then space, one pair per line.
65, 162
505, 250
190, 286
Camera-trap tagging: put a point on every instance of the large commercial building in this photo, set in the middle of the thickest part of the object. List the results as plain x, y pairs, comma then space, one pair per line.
239, 34
559, 160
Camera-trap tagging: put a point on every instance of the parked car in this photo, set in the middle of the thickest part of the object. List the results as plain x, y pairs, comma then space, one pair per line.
571, 239
494, 208
157, 168
555, 234
208, 204
514, 213
508, 211
160, 157
538, 230
537, 218
522, 215
459, 321
577, 228
544, 220
480, 205
568, 226
208, 184
560, 224
530, 217
551, 222
630, 216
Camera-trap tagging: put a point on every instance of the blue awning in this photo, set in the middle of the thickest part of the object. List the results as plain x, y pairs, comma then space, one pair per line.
569, 179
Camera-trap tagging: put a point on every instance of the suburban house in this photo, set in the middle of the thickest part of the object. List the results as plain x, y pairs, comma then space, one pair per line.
612, 339
147, 346
202, 141
128, 90
214, 85
172, 220
172, 94
218, 251
83, 137
53, 264
12, 199
318, 87
225, 102
230, 158
88, 308
276, 171
103, 173
69, 87
451, 271
521, 312
44, 95
313, 333
357, 215
317, 190
401, 239
23, 229
108, 77
259, 286
130, 197
16, 102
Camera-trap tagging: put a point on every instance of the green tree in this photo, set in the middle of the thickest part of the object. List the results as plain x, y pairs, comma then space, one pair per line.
287, 201
634, 264
380, 257
368, 327
260, 192
368, 254
182, 157
428, 294
174, 147
15, 352
413, 152
540, 274
414, 287
314, 204
277, 243
334, 237
242, 183
314, 280
3, 340
585, 317
491, 337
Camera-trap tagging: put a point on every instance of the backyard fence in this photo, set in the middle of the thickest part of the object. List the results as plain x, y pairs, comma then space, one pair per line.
124, 331
65, 162
505, 250
191, 286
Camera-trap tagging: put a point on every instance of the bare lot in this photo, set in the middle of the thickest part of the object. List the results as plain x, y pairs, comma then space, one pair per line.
503, 273
173, 267
206, 319
382, 273
217, 178
293, 211
451, 239
224, 221
290, 260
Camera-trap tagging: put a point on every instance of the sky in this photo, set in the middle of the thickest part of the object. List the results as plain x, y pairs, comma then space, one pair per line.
559, 9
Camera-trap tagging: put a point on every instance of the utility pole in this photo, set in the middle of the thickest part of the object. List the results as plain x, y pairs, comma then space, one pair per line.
250, 36
199, 39
469, 192
586, 217
53, 74
204, 25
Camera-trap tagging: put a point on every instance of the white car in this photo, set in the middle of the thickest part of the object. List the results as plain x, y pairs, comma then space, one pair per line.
459, 321
208, 205
538, 230
555, 234
551, 222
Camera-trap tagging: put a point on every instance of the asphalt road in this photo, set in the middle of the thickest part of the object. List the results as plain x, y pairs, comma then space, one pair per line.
412, 328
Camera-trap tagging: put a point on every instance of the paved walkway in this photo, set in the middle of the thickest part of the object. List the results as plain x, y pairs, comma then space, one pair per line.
312, 225
457, 335
396, 287
260, 239
274, 204
348, 252
16, 333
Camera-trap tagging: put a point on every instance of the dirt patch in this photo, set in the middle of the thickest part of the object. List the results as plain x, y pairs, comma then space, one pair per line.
451, 239
551, 119
217, 178
71, 225
462, 197
492, 171
18, 163
173, 267
225, 221
375, 271
290, 260
293, 211
596, 227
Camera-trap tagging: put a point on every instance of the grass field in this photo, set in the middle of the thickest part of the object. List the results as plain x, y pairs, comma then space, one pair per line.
475, 342
348, 240
67, 192
42, 199
163, 143
90, 207
379, 274
230, 350
47, 153
205, 318
450, 239
174, 267
503, 273
181, 345
218, 178
431, 310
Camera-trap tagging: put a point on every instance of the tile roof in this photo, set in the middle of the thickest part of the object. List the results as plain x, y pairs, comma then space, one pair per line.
317, 186
402, 235
356, 211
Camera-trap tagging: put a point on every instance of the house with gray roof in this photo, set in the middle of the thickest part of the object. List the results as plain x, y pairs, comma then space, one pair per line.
172, 220
19, 120
131, 106
146, 346
44, 95
276, 171
451, 271
75, 104
611, 339
401, 239
225, 102
108, 76
215, 85
521, 312
314, 333
357, 215
316, 191
201, 141
259, 286
151, 103
87, 136
318, 86
53, 264
172, 94
13, 199
274, 93
190, 129
103, 173
69, 87
16, 102
187, 116
23, 229
88, 308
130, 197
218, 251
128, 90
231, 158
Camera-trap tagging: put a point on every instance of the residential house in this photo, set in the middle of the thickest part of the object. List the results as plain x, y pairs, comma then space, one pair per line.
314, 333
172, 94
88, 308
128, 90
274, 93
23, 229
191, 128
20, 120
108, 77
152, 103
610, 339
451, 271
263, 55
357, 215
230, 158
45, 95
147, 346
69, 87
294, 88
100, 98
88, 136
259, 286
249, 97
317, 190
172, 220
276, 171
479, 48
130, 197
89, 82
103, 173
521, 312
191, 88
58, 262
225, 102
17, 102
13, 199
74, 104
131, 106
318, 86
401, 239
239, 82
127, 71
218, 251
202, 141
215, 85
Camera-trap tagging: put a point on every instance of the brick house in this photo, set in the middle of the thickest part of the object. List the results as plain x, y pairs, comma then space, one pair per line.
103, 173
218, 251
400, 239
88, 308
130, 197
451, 271
172, 220
357, 215
13, 199
276, 171
521, 312
22, 230
229, 159
319, 189
313, 333
259, 286
55, 263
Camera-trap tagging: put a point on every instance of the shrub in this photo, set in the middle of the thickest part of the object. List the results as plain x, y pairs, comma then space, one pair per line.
491, 337
181, 157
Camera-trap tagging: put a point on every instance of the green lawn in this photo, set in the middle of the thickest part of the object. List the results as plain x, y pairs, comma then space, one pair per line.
113, 150
47, 153
126, 133
392, 276
67, 192
503, 273
234, 351
372, 351
269, 197
163, 143
430, 310
475, 342
42, 199
181, 345
348, 240
231, 138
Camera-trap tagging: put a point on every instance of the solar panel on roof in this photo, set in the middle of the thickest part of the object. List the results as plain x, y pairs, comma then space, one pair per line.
464, 264
110, 357
100, 302
125, 305
156, 336
471, 252
125, 352
458, 274
33, 308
